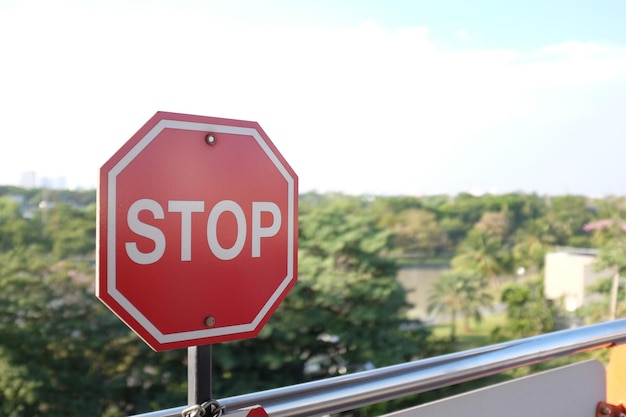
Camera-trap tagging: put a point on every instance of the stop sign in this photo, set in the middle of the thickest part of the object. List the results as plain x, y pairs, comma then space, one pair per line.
197, 230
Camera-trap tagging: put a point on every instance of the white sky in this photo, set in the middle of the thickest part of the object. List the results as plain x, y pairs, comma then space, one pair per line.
358, 101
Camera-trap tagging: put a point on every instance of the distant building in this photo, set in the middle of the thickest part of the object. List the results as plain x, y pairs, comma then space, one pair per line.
568, 274
57, 183
28, 179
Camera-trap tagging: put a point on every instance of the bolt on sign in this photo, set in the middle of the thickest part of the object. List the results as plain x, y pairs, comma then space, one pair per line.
197, 230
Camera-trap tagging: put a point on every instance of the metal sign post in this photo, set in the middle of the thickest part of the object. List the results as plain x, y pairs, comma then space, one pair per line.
199, 367
171, 201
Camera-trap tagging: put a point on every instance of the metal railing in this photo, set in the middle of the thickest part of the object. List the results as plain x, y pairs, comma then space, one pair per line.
352, 391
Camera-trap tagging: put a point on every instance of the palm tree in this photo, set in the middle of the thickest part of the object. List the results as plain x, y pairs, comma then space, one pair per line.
610, 234
459, 292
529, 251
611, 257
482, 253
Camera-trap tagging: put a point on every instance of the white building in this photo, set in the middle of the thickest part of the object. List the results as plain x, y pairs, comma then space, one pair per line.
568, 274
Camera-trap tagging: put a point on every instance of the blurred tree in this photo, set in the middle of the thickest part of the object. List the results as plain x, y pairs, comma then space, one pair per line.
459, 292
600, 309
15, 230
465, 207
608, 234
72, 231
612, 256
417, 232
567, 216
62, 353
501, 214
531, 243
344, 314
384, 205
483, 253
455, 231
494, 224
529, 313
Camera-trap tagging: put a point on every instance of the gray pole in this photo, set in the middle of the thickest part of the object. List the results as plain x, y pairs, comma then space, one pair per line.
199, 366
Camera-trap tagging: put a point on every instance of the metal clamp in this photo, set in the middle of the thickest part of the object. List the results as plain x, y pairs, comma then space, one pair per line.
199, 410
610, 410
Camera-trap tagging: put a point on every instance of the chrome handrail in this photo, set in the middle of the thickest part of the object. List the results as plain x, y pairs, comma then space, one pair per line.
356, 390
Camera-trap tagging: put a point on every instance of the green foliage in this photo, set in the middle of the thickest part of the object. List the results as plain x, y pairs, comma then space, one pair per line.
418, 232
64, 230
495, 224
344, 314
460, 291
33, 196
599, 310
15, 230
484, 253
613, 255
63, 353
532, 243
72, 231
568, 216
611, 260
529, 313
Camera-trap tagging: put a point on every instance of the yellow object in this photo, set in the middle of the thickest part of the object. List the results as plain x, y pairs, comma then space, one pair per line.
616, 376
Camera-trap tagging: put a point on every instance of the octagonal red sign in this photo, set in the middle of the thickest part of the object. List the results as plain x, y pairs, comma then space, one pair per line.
197, 230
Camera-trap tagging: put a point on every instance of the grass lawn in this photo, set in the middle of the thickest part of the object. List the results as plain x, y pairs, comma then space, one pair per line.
478, 334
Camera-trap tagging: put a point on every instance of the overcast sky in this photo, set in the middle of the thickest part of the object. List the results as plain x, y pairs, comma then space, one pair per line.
383, 97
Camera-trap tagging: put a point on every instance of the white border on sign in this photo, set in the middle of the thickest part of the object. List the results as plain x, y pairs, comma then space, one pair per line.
111, 231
